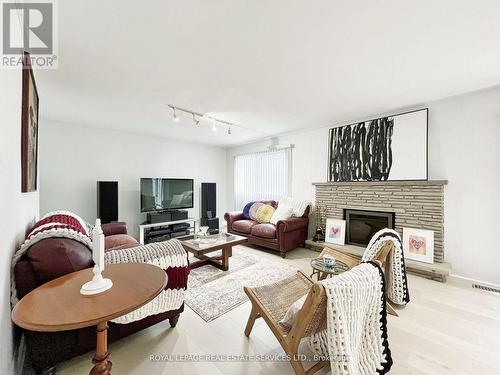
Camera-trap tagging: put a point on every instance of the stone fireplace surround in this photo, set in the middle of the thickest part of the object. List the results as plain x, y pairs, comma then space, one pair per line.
416, 204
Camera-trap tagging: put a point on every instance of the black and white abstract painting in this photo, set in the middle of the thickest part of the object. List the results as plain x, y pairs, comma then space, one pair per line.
382, 149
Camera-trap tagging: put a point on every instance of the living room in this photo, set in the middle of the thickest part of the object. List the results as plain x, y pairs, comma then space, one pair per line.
228, 150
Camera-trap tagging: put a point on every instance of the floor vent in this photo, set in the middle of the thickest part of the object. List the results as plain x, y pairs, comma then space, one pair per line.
486, 288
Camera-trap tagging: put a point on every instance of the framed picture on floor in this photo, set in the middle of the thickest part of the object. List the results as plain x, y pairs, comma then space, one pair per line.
335, 231
418, 244
29, 126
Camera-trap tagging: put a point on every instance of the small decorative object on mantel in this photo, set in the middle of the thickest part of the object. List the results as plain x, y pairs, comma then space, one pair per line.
418, 244
386, 148
98, 284
320, 234
335, 231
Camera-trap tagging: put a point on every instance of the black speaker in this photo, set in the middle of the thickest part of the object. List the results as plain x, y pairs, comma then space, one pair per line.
107, 201
208, 200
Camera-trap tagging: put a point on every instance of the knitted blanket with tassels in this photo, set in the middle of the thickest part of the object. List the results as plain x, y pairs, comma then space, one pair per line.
355, 340
168, 255
395, 280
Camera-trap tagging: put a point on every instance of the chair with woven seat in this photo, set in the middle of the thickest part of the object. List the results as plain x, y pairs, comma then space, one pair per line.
272, 301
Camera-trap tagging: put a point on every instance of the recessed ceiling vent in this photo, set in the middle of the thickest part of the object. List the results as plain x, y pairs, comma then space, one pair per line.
486, 288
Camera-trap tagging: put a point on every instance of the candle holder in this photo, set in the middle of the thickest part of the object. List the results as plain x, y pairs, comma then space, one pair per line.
98, 284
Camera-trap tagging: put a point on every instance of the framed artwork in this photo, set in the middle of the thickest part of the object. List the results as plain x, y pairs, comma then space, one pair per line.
388, 148
29, 126
418, 244
335, 231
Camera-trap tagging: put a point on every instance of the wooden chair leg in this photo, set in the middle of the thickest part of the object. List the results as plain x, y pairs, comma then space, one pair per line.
318, 366
391, 309
251, 320
296, 364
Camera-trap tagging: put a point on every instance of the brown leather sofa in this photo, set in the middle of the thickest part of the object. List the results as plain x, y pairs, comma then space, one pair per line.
55, 257
283, 237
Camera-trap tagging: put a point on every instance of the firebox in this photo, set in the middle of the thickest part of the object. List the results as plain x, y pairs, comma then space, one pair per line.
361, 225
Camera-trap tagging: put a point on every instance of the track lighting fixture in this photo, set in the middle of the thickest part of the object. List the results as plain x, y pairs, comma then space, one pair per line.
196, 122
215, 121
176, 118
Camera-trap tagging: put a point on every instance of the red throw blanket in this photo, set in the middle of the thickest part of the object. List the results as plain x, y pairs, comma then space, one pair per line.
55, 224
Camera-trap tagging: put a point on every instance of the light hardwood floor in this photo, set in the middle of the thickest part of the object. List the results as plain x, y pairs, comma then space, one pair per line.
446, 329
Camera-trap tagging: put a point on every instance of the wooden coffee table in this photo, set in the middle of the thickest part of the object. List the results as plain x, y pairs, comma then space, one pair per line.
200, 249
59, 306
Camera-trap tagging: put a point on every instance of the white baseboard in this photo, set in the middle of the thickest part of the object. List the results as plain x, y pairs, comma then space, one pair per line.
468, 282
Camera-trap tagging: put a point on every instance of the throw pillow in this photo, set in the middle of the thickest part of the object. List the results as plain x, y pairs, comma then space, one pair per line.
246, 209
283, 212
253, 210
292, 311
299, 207
264, 213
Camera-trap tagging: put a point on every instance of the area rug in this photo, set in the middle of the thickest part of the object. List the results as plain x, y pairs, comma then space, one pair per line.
212, 292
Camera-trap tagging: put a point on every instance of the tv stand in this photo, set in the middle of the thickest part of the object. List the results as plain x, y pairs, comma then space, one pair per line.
166, 230
165, 216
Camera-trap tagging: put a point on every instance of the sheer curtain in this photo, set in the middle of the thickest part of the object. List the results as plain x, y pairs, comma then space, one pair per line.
261, 175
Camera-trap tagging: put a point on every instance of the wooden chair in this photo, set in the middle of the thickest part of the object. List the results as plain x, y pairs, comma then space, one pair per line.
272, 301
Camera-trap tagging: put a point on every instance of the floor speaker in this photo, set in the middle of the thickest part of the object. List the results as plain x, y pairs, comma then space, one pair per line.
208, 200
107, 201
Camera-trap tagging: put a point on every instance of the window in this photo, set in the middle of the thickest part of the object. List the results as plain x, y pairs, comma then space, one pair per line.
261, 175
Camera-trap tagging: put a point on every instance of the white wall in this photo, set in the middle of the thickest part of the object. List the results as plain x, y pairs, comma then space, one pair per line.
18, 210
464, 144
73, 158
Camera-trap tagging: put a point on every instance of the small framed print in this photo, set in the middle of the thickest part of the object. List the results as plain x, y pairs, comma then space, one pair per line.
335, 231
418, 244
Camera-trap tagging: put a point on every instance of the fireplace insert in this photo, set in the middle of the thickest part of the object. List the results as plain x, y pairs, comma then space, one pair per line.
362, 225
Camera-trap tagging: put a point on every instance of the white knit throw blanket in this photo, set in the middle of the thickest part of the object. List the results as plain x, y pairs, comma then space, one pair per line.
355, 340
162, 254
395, 280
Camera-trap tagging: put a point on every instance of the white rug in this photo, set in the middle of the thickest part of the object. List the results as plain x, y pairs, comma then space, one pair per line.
212, 292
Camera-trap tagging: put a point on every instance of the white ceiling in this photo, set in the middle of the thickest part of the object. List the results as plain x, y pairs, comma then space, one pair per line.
272, 66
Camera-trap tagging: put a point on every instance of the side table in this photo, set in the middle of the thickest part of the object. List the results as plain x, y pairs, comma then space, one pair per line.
59, 306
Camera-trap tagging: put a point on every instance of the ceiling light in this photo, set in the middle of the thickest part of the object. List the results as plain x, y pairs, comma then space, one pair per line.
196, 122
176, 118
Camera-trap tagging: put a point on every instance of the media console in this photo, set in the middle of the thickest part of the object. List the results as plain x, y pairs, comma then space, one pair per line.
163, 231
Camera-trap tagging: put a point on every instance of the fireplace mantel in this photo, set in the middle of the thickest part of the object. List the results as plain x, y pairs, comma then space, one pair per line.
386, 183
415, 204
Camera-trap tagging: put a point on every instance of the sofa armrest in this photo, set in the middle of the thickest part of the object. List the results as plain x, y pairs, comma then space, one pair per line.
292, 224
231, 217
115, 227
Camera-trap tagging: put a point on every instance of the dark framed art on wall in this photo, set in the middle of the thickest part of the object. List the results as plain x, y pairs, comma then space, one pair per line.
29, 126
387, 148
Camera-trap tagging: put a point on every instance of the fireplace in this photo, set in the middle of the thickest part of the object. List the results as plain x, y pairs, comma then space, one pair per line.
362, 225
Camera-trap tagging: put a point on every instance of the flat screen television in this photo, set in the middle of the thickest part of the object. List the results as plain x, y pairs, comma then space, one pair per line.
161, 194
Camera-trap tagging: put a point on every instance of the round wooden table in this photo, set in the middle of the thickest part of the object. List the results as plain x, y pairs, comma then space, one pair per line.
59, 306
